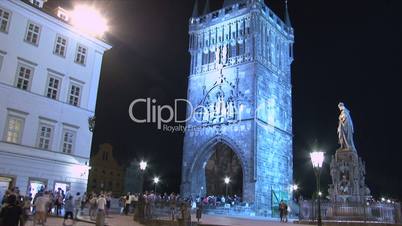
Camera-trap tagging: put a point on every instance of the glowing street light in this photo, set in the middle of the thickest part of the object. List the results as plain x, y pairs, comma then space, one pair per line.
156, 181
294, 187
143, 165
317, 158
88, 20
227, 181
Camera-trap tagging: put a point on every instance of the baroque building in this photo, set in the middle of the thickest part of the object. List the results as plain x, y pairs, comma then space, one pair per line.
240, 91
49, 76
106, 174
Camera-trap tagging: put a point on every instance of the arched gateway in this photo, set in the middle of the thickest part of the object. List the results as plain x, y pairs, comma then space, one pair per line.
240, 118
218, 160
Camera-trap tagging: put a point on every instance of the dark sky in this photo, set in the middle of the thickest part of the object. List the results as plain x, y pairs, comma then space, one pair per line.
348, 51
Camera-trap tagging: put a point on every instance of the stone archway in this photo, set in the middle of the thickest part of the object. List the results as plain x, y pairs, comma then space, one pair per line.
223, 163
197, 172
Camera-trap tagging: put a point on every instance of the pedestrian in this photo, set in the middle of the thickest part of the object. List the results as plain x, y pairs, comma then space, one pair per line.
58, 202
40, 204
127, 204
10, 214
108, 204
92, 207
285, 212
199, 211
84, 201
68, 209
77, 204
100, 217
281, 210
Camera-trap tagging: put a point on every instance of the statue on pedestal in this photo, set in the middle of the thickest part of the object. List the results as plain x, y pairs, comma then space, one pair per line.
345, 129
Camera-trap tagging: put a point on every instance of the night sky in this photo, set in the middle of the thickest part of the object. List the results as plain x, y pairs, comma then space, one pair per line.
348, 51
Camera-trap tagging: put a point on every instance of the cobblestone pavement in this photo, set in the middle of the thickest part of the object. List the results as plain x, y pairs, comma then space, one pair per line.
120, 220
113, 220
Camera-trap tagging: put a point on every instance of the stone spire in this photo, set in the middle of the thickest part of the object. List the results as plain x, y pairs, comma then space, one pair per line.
206, 8
227, 3
287, 17
195, 10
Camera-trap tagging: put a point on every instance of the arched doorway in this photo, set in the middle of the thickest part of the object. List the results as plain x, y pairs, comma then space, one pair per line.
223, 163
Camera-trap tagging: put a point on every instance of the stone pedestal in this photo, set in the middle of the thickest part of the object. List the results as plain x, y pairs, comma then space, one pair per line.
348, 178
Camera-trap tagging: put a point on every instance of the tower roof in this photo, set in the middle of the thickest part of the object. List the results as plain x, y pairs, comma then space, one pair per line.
195, 10
206, 8
227, 3
287, 17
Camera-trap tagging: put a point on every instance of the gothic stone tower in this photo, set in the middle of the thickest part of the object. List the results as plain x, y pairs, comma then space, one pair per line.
240, 91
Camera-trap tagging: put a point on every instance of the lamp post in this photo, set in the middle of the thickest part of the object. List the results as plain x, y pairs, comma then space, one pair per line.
143, 167
227, 181
293, 190
317, 158
156, 181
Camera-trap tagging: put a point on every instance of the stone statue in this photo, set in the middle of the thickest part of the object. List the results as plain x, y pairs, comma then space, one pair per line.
345, 129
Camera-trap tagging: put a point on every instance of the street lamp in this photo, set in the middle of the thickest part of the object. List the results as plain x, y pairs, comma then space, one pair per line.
227, 181
143, 167
156, 181
317, 158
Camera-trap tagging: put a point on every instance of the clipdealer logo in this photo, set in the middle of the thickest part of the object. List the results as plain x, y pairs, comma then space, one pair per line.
161, 115
155, 113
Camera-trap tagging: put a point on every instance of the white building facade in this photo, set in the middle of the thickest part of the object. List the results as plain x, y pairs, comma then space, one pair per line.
49, 76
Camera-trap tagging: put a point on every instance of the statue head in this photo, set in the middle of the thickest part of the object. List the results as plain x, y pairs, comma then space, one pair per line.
341, 106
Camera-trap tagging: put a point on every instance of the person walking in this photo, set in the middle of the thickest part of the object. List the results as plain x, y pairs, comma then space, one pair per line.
11, 213
68, 209
100, 217
92, 207
281, 210
40, 205
77, 204
285, 212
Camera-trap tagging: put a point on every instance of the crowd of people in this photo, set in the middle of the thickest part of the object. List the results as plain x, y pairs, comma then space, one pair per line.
17, 209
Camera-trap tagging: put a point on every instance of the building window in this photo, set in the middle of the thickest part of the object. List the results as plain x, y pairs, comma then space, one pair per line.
4, 20
32, 35
60, 46
68, 141
14, 129
74, 95
45, 136
81, 55
24, 77
53, 86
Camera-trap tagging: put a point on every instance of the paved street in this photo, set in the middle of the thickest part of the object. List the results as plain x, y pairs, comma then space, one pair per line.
119, 220
114, 220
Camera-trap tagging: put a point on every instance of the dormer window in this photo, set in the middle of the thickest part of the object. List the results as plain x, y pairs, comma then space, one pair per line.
38, 3
62, 14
